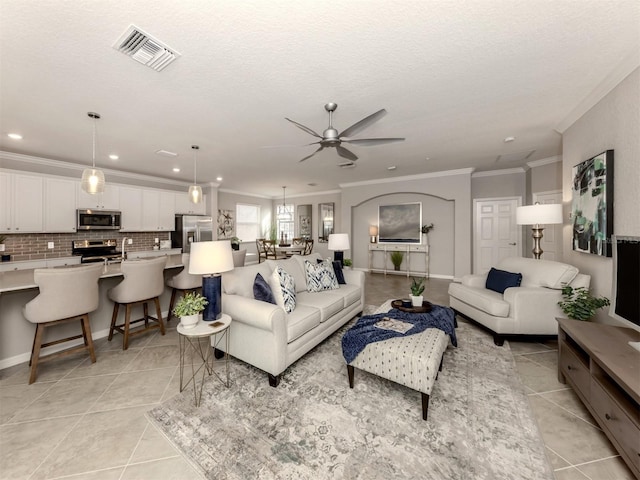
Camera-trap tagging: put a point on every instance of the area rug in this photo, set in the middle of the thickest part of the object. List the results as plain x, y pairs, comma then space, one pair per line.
313, 426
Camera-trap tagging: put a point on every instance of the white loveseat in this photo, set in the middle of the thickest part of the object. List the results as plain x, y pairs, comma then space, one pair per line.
530, 309
263, 335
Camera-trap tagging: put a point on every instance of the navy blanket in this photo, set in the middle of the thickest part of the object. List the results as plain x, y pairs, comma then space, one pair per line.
365, 331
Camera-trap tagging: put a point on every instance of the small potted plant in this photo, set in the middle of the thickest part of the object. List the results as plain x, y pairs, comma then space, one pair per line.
417, 287
579, 304
235, 243
425, 231
189, 309
396, 259
347, 263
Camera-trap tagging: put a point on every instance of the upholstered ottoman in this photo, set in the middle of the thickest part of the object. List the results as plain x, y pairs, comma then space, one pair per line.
413, 360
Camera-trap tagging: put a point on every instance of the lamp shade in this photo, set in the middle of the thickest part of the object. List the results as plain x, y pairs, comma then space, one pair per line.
539, 214
210, 257
195, 193
373, 230
92, 181
338, 241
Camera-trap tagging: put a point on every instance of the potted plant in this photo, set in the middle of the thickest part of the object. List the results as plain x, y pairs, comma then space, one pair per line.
189, 309
235, 243
347, 263
396, 259
579, 304
425, 230
417, 287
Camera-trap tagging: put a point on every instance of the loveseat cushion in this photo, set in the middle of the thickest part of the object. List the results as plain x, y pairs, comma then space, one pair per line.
539, 273
486, 300
301, 320
328, 302
350, 293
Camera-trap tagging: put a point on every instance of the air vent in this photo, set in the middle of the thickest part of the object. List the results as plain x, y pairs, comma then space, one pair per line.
145, 49
166, 153
515, 157
347, 164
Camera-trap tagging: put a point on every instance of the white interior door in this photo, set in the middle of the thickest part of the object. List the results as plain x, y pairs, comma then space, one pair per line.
496, 234
551, 242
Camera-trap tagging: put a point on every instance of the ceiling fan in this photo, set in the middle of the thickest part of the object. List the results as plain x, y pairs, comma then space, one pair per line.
332, 138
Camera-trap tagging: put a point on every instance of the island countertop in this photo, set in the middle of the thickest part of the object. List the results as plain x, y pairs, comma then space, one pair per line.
18, 280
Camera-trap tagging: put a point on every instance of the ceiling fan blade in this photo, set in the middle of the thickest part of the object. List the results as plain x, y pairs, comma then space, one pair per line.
302, 127
309, 156
344, 153
370, 142
364, 123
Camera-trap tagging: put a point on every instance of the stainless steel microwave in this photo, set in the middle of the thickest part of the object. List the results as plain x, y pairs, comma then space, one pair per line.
98, 220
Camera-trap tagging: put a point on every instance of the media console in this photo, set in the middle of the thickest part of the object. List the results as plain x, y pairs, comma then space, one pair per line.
597, 361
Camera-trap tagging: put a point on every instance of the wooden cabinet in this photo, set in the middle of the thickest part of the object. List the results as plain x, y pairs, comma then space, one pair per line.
59, 205
184, 206
108, 200
22, 207
597, 361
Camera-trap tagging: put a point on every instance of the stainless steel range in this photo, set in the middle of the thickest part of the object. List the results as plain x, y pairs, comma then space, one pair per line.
97, 250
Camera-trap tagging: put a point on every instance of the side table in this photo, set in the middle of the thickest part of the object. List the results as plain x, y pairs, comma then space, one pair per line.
192, 348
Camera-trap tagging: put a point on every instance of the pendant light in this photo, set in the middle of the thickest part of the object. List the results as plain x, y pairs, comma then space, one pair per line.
93, 179
195, 191
285, 215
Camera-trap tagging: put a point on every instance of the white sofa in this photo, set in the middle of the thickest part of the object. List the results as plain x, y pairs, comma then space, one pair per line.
263, 335
530, 309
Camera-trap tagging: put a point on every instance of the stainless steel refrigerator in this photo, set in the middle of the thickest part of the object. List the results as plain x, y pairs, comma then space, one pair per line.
189, 229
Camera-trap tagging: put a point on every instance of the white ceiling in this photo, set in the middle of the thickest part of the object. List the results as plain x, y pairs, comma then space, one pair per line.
456, 78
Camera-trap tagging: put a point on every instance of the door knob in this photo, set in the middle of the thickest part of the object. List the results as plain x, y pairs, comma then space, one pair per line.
512, 243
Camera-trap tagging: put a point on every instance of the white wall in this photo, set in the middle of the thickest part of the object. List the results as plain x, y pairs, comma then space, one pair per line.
613, 123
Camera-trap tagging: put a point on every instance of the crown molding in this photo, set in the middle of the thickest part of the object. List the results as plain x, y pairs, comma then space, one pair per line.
406, 178
236, 192
493, 173
617, 75
544, 161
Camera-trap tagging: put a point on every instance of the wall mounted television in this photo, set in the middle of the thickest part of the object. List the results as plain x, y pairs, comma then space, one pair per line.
625, 303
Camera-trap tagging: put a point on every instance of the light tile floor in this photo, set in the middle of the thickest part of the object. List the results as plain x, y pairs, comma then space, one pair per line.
86, 421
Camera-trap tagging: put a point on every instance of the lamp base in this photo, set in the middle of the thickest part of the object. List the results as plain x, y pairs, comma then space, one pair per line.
373, 239
537, 236
212, 291
339, 257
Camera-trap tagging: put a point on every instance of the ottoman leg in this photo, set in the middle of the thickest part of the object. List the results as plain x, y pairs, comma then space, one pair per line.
425, 405
350, 373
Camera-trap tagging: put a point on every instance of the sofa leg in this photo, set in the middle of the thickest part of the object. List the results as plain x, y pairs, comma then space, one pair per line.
425, 405
350, 374
274, 380
498, 339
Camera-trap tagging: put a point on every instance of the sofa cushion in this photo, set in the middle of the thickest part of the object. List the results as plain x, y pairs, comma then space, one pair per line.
500, 280
328, 303
301, 320
284, 289
262, 290
320, 276
540, 273
480, 298
350, 293
239, 281
293, 268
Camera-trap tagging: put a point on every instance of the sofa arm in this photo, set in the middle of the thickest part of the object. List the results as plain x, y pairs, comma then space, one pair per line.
534, 309
258, 314
353, 277
475, 280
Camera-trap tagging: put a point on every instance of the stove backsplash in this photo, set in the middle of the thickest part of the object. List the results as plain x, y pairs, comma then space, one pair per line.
33, 246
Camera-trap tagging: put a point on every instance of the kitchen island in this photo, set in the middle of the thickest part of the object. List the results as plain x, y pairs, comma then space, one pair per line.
18, 288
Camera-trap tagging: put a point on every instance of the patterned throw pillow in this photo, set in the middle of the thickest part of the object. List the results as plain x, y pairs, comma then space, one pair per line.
320, 276
284, 289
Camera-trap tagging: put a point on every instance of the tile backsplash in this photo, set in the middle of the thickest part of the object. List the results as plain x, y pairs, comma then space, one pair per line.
33, 246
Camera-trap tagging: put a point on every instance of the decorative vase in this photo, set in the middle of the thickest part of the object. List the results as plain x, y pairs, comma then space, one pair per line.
190, 321
425, 238
416, 301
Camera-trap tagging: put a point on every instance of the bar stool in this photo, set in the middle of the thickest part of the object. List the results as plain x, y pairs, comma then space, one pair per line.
143, 282
66, 294
183, 282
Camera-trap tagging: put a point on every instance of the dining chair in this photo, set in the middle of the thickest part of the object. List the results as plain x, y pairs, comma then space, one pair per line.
66, 294
183, 282
239, 257
271, 251
260, 249
308, 246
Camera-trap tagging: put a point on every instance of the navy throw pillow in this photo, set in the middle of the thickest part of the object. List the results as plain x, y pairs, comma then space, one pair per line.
337, 269
262, 290
500, 280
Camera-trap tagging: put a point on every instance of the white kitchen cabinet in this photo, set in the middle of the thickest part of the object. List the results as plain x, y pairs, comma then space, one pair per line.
158, 211
59, 205
167, 214
108, 200
22, 207
131, 208
184, 206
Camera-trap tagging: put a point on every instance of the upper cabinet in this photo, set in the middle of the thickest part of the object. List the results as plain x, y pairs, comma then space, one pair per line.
109, 200
60, 205
131, 208
146, 210
21, 210
184, 206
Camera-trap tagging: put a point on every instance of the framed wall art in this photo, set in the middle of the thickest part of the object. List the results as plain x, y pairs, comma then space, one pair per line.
592, 205
226, 224
400, 223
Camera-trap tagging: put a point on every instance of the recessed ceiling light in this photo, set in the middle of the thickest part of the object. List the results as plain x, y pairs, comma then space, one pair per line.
427, 158
14, 136
113, 156
219, 179
176, 169
392, 167
509, 139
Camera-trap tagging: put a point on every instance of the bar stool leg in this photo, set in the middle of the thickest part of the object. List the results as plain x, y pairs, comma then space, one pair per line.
36, 351
159, 315
172, 302
127, 318
145, 312
88, 340
114, 317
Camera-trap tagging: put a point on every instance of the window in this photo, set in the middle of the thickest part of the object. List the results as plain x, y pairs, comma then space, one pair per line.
247, 222
286, 225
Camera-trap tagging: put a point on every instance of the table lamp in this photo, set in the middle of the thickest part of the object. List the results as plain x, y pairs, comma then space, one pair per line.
338, 243
538, 215
210, 259
373, 233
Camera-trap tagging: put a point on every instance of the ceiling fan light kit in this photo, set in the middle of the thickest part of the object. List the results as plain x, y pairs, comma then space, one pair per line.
332, 138
93, 179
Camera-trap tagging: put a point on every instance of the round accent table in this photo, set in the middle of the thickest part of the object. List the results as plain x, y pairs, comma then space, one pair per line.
199, 354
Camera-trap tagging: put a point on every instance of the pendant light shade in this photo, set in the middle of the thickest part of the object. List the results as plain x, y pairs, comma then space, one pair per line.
285, 214
93, 179
195, 191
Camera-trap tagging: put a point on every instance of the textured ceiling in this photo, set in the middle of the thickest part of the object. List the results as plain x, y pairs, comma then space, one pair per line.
456, 77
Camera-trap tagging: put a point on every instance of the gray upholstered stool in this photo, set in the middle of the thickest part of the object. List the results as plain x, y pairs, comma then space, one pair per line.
66, 294
143, 282
413, 361
183, 282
